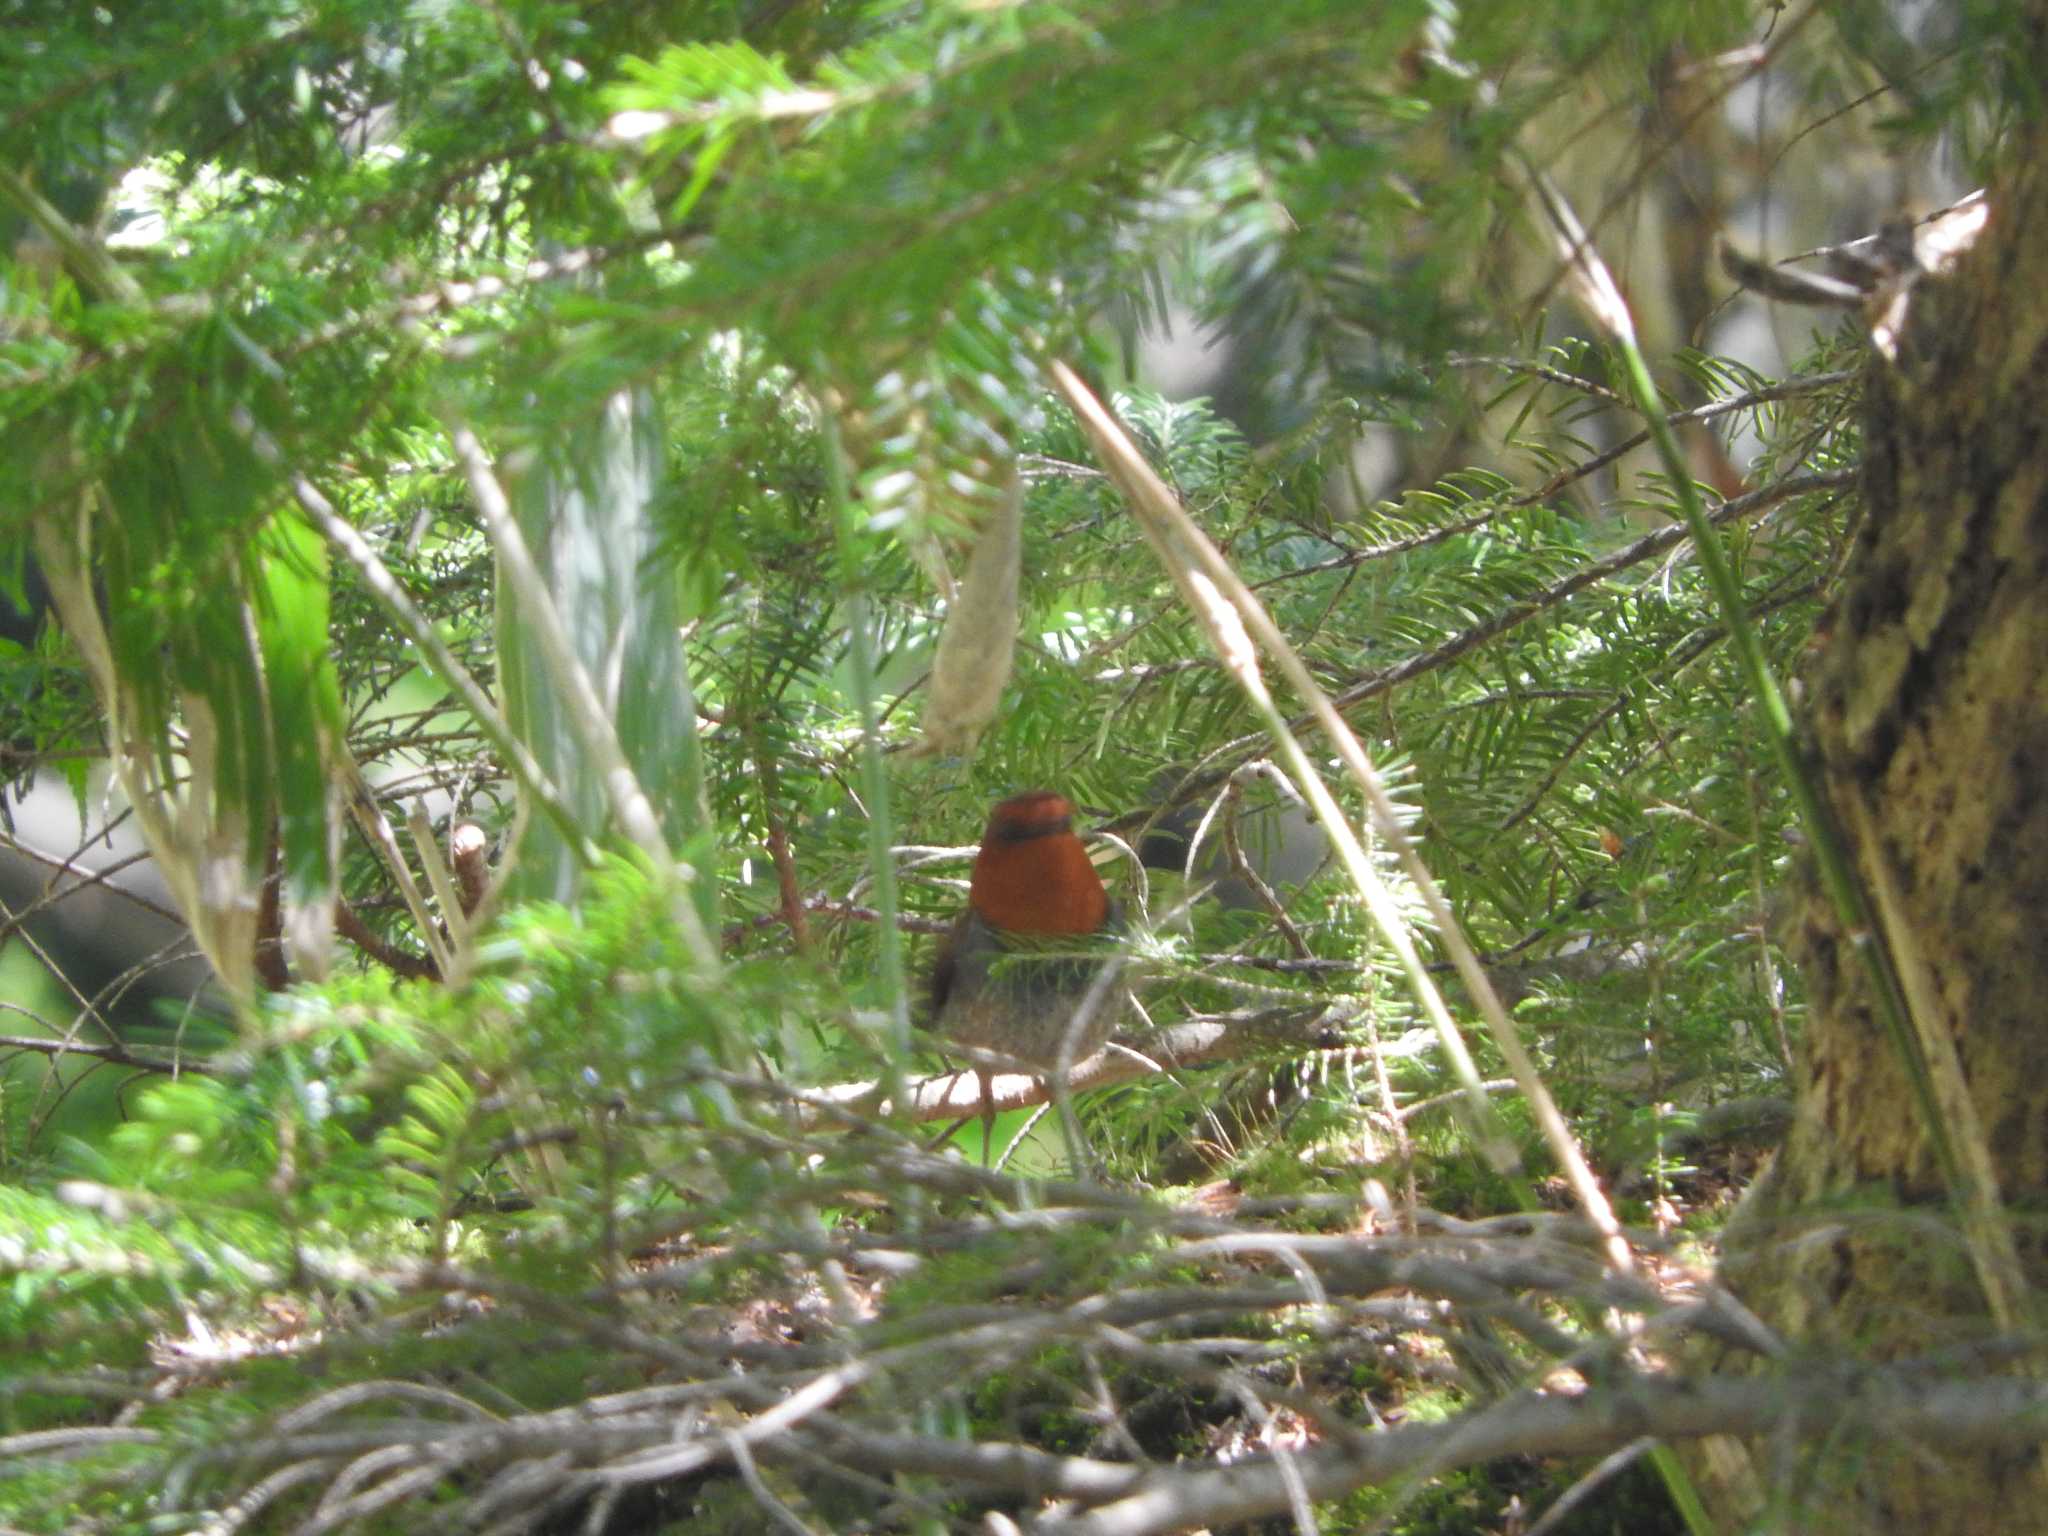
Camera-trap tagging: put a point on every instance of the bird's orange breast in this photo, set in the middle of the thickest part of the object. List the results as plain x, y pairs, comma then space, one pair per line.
1042, 884
1003, 978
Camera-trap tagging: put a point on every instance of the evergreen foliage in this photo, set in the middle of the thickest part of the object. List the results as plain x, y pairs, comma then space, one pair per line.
522, 1220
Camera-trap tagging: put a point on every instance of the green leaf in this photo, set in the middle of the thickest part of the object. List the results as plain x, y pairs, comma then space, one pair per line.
304, 695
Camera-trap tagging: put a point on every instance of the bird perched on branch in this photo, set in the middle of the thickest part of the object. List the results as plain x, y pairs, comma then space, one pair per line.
1015, 980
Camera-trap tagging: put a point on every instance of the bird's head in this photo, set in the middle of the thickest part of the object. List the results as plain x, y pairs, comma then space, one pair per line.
1032, 874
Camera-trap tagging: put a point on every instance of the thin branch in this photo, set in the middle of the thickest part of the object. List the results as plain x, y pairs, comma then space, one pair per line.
118, 1055
1899, 1406
1351, 559
398, 961
1647, 547
54, 893
948, 1095
908, 922
1688, 652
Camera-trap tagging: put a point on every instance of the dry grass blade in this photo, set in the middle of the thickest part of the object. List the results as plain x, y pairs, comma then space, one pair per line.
1211, 585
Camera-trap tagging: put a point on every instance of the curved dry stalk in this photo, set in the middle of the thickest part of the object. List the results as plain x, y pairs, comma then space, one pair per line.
1222, 600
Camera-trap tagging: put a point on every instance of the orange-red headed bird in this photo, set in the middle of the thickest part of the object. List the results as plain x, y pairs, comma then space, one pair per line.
1014, 973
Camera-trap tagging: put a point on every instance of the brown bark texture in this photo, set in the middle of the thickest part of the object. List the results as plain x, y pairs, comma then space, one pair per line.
1929, 716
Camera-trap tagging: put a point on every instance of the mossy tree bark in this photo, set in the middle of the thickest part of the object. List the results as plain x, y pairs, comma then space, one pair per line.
1929, 711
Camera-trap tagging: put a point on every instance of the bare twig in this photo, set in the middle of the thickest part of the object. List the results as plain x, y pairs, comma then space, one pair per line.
1647, 547
117, 1055
399, 962
952, 1094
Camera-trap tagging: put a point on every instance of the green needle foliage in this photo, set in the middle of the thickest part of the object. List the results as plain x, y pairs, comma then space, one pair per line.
575, 1203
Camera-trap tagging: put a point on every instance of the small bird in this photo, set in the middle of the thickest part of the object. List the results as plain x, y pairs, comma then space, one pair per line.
1014, 978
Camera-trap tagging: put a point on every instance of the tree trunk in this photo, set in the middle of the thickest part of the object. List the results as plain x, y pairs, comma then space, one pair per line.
1929, 708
